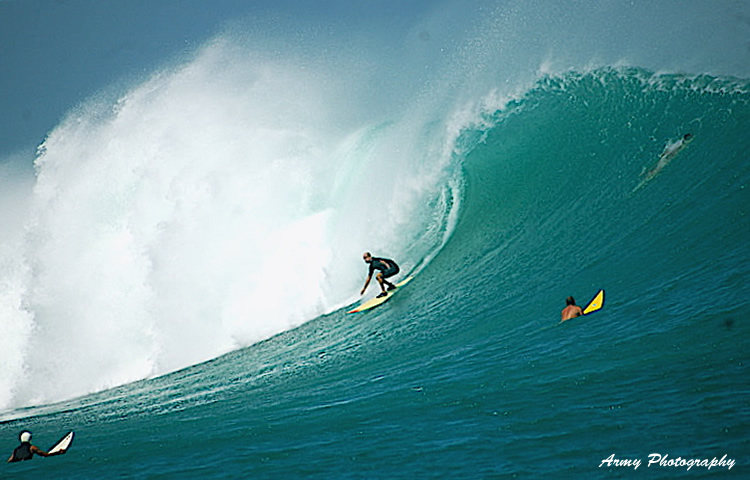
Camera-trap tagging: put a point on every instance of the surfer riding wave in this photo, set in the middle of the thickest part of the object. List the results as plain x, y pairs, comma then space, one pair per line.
387, 268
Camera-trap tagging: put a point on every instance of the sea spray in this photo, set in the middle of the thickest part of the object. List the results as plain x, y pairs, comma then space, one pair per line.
204, 210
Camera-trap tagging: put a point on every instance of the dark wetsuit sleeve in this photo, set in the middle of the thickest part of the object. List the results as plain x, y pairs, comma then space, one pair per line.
377, 264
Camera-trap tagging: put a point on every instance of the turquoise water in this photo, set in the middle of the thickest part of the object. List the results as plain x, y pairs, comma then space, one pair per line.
465, 373
177, 292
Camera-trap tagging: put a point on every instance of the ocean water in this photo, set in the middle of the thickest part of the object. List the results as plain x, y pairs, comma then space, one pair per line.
176, 289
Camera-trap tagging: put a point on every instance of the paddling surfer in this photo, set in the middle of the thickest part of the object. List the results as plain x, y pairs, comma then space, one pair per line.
387, 268
571, 310
26, 450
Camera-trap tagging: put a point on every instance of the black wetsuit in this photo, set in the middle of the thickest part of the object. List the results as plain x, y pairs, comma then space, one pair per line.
22, 452
387, 266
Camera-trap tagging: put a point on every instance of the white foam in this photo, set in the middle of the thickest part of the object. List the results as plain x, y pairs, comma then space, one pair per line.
202, 211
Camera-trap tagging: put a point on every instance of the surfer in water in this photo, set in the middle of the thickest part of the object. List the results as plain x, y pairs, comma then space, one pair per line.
387, 268
26, 450
571, 310
670, 151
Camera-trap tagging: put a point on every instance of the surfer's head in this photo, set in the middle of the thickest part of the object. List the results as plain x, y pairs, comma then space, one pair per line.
688, 136
367, 257
570, 301
25, 436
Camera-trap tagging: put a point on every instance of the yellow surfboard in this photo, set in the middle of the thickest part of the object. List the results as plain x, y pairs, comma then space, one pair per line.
374, 302
595, 304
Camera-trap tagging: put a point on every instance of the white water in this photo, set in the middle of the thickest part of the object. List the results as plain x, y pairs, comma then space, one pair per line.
230, 198
214, 205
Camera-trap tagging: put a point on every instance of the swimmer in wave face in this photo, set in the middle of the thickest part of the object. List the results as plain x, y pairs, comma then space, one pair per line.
667, 155
670, 151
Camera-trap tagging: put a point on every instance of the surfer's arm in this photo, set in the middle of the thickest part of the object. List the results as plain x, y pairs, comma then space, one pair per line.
367, 282
40, 452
